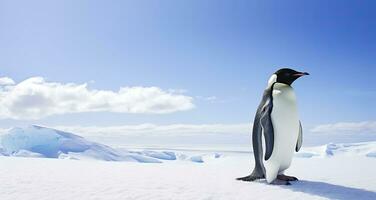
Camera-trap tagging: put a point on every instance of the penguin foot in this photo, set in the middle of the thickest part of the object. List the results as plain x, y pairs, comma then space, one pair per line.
286, 178
248, 178
280, 182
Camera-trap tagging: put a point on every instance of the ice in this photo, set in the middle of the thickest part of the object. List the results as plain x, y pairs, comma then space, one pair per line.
306, 154
26, 153
344, 149
37, 141
47, 142
217, 155
197, 159
164, 155
2, 152
330, 149
144, 159
205, 157
33, 139
371, 154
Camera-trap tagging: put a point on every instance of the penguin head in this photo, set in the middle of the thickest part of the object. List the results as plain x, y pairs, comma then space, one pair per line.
287, 76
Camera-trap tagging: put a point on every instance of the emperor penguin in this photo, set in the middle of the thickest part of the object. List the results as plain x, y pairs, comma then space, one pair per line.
277, 131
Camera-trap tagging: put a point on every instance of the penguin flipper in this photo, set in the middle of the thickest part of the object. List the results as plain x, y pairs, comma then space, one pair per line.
300, 138
267, 128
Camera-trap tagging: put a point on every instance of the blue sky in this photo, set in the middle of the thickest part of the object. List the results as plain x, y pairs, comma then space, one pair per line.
220, 53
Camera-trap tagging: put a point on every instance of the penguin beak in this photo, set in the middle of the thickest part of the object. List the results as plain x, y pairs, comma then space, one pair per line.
299, 74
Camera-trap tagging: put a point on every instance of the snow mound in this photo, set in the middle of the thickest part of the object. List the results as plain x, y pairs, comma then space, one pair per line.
306, 154
164, 155
371, 154
37, 141
205, 157
26, 153
367, 149
42, 142
48, 142
2, 152
197, 159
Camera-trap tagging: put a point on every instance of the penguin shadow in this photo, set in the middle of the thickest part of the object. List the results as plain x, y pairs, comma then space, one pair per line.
331, 191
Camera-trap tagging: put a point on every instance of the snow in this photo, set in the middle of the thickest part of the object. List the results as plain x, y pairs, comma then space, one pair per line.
26, 153
371, 154
71, 167
42, 142
2, 152
331, 149
51, 143
165, 155
338, 177
197, 159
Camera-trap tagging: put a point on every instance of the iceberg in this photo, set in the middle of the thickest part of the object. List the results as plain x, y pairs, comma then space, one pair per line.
37, 141
41, 142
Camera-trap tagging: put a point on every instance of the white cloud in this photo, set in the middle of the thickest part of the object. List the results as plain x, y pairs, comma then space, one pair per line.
6, 81
157, 130
347, 127
35, 98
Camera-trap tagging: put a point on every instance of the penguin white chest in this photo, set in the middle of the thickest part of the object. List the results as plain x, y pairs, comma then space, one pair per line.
285, 121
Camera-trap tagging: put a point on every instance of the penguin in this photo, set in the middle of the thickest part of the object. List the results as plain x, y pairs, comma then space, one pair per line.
277, 130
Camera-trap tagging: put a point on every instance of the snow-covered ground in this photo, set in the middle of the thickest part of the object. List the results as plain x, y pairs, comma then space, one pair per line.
59, 165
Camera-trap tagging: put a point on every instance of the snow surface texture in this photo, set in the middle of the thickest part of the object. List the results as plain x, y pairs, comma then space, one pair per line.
338, 177
333, 171
37, 141
350, 149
